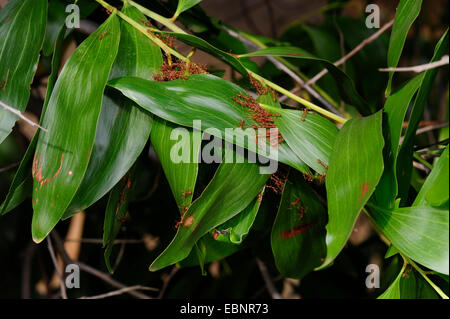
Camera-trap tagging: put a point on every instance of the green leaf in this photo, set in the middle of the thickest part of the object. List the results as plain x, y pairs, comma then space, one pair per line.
407, 12
356, 165
57, 17
343, 82
421, 233
184, 5
201, 44
214, 250
238, 227
123, 128
22, 29
394, 110
285, 51
204, 97
409, 285
231, 190
311, 139
434, 191
180, 175
298, 233
22, 184
115, 215
404, 167
62, 155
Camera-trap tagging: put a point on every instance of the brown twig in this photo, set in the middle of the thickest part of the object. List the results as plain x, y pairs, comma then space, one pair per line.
100, 241
19, 114
353, 52
152, 190
118, 292
166, 281
58, 270
419, 68
97, 273
431, 128
268, 281
119, 256
8, 167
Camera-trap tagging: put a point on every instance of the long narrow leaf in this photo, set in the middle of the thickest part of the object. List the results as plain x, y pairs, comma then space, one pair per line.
62, 155
123, 128
355, 168
22, 29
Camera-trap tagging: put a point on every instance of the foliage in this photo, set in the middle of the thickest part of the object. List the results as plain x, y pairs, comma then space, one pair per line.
340, 150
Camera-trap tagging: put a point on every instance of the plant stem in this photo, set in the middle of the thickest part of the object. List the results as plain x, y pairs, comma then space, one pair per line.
424, 275
167, 22
300, 100
422, 161
174, 28
287, 67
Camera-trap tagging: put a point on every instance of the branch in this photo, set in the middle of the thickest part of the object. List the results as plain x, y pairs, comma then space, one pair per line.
282, 67
118, 292
58, 270
166, 281
353, 52
8, 167
100, 241
269, 284
16, 112
431, 128
97, 273
419, 68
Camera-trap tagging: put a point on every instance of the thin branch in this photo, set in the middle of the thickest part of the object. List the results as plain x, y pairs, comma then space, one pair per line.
58, 270
280, 66
419, 68
166, 281
97, 273
100, 241
118, 292
421, 167
8, 167
269, 283
119, 256
16, 112
427, 129
353, 52
431, 128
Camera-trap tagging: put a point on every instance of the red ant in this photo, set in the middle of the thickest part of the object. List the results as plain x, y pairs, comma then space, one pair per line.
305, 111
322, 163
4, 82
296, 202
103, 34
186, 194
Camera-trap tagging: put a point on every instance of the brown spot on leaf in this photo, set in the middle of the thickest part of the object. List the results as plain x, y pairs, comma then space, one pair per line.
37, 171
